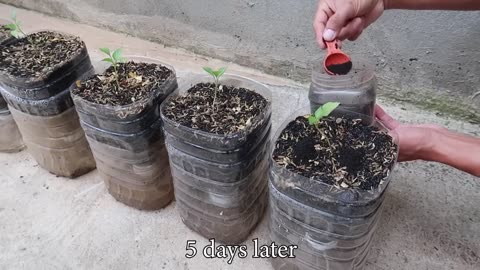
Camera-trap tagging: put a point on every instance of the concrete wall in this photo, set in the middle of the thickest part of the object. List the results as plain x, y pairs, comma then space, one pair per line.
431, 59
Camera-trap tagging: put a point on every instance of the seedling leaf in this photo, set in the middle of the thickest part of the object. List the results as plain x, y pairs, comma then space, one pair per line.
220, 72
11, 26
122, 60
15, 34
109, 60
209, 71
114, 57
117, 55
14, 27
326, 109
216, 74
312, 120
322, 112
105, 50
329, 107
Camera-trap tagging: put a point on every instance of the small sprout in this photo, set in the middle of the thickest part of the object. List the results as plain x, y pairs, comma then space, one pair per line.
322, 112
114, 58
216, 74
312, 120
15, 29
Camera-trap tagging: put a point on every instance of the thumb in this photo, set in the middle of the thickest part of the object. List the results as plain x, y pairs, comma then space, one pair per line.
337, 21
388, 121
395, 136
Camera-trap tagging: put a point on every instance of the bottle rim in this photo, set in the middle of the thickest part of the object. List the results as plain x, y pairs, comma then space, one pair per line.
363, 73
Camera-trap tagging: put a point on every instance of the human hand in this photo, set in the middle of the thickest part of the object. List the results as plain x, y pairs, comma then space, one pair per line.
415, 141
345, 19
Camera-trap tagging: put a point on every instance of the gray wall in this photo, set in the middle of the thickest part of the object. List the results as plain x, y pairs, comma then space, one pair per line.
428, 58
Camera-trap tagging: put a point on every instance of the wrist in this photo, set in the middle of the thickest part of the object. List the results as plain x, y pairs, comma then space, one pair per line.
391, 4
387, 4
400, 4
428, 149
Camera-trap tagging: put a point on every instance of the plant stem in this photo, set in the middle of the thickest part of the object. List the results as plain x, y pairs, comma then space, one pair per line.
24, 34
323, 134
116, 74
215, 94
21, 31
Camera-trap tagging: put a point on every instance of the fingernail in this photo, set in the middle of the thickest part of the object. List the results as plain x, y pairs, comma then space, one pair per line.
329, 35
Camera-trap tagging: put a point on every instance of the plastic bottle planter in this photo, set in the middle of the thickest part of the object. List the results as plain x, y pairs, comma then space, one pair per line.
220, 180
129, 147
325, 241
10, 138
135, 167
355, 91
333, 228
43, 109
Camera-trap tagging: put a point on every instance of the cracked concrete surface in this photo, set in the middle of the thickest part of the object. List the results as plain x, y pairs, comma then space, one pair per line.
431, 218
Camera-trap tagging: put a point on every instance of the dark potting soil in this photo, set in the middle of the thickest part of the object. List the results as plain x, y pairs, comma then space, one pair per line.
233, 110
340, 152
341, 69
38, 54
135, 82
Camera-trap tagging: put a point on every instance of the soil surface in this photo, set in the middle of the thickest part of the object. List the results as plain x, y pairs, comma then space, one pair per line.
341, 69
135, 82
340, 152
233, 110
38, 54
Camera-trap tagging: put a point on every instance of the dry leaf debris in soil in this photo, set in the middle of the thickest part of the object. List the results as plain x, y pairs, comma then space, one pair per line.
136, 81
234, 110
39, 54
339, 151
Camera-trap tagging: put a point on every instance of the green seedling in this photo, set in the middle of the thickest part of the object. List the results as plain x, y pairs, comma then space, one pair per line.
15, 29
322, 112
114, 58
216, 74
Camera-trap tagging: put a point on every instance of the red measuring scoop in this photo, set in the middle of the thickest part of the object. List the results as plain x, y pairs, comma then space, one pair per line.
336, 62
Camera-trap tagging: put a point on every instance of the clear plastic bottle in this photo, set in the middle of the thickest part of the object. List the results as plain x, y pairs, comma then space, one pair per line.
355, 91
128, 144
333, 228
220, 181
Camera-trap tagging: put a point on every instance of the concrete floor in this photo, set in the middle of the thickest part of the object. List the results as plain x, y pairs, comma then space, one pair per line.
431, 221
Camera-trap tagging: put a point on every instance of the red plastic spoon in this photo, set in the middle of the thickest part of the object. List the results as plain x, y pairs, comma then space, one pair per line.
336, 62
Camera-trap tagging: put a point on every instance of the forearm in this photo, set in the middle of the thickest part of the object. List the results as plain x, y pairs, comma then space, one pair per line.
433, 4
456, 150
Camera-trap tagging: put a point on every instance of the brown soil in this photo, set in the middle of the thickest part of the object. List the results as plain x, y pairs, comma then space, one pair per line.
39, 54
233, 110
135, 82
340, 152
